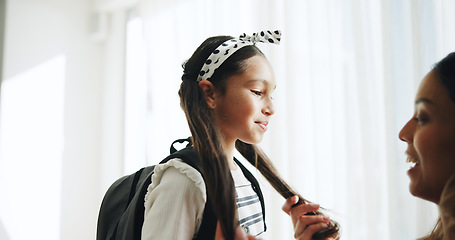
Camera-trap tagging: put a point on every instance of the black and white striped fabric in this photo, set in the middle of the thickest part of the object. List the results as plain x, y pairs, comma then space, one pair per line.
227, 48
248, 205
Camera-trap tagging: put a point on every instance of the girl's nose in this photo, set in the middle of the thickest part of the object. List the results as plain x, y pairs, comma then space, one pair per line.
269, 108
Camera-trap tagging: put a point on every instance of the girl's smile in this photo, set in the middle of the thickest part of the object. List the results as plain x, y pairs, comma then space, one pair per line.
263, 125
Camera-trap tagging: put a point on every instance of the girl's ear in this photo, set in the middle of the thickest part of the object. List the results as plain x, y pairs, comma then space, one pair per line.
209, 92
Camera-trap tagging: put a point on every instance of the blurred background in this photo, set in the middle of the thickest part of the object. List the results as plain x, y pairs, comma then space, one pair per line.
89, 94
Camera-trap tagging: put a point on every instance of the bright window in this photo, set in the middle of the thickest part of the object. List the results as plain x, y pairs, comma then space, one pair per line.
135, 97
31, 147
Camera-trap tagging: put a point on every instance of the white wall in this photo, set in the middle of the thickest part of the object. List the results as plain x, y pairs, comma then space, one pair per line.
36, 32
2, 33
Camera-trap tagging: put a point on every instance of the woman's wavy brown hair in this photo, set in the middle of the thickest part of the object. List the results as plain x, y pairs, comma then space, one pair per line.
206, 136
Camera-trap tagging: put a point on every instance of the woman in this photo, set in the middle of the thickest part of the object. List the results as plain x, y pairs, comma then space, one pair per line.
430, 135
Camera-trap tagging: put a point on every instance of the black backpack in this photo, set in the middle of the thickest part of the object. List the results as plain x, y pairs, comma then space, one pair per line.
122, 210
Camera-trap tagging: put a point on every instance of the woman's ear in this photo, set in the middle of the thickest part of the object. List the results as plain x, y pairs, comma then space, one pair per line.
209, 92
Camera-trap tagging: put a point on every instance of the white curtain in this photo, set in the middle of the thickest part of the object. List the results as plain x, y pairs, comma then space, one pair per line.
346, 71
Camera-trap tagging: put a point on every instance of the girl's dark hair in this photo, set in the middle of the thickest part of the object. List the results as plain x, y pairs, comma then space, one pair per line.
445, 70
207, 140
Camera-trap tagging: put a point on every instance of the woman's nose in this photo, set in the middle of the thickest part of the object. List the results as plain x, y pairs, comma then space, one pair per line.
406, 132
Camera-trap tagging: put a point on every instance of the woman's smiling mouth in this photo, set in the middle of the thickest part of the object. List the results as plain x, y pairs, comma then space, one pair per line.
414, 161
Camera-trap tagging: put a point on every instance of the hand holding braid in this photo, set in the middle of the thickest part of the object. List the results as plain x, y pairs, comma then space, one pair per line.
259, 159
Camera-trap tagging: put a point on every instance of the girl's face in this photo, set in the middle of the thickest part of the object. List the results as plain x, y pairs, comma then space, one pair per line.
244, 110
430, 135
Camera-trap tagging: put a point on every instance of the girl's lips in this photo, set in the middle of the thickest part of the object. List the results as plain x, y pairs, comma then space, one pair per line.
263, 125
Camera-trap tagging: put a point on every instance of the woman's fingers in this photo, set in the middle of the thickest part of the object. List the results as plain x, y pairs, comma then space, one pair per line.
289, 203
305, 225
289, 207
296, 211
309, 224
305, 232
301, 210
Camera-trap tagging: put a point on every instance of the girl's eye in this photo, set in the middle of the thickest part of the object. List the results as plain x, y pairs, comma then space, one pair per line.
257, 92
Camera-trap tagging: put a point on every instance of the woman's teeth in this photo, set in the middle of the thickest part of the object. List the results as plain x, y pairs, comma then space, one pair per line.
412, 160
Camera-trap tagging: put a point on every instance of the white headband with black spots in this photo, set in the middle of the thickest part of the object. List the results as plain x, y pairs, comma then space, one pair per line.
227, 48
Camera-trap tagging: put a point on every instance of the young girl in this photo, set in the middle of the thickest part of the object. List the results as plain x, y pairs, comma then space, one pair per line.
226, 94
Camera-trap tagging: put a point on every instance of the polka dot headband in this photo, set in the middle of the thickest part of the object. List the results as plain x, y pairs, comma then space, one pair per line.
229, 47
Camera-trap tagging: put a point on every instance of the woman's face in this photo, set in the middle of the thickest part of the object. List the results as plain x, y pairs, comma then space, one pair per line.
244, 110
430, 136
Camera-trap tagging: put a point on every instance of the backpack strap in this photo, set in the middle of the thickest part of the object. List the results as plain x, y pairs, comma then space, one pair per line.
173, 149
189, 156
256, 187
209, 220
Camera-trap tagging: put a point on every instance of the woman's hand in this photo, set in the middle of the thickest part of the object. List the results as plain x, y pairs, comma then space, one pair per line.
239, 234
304, 225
